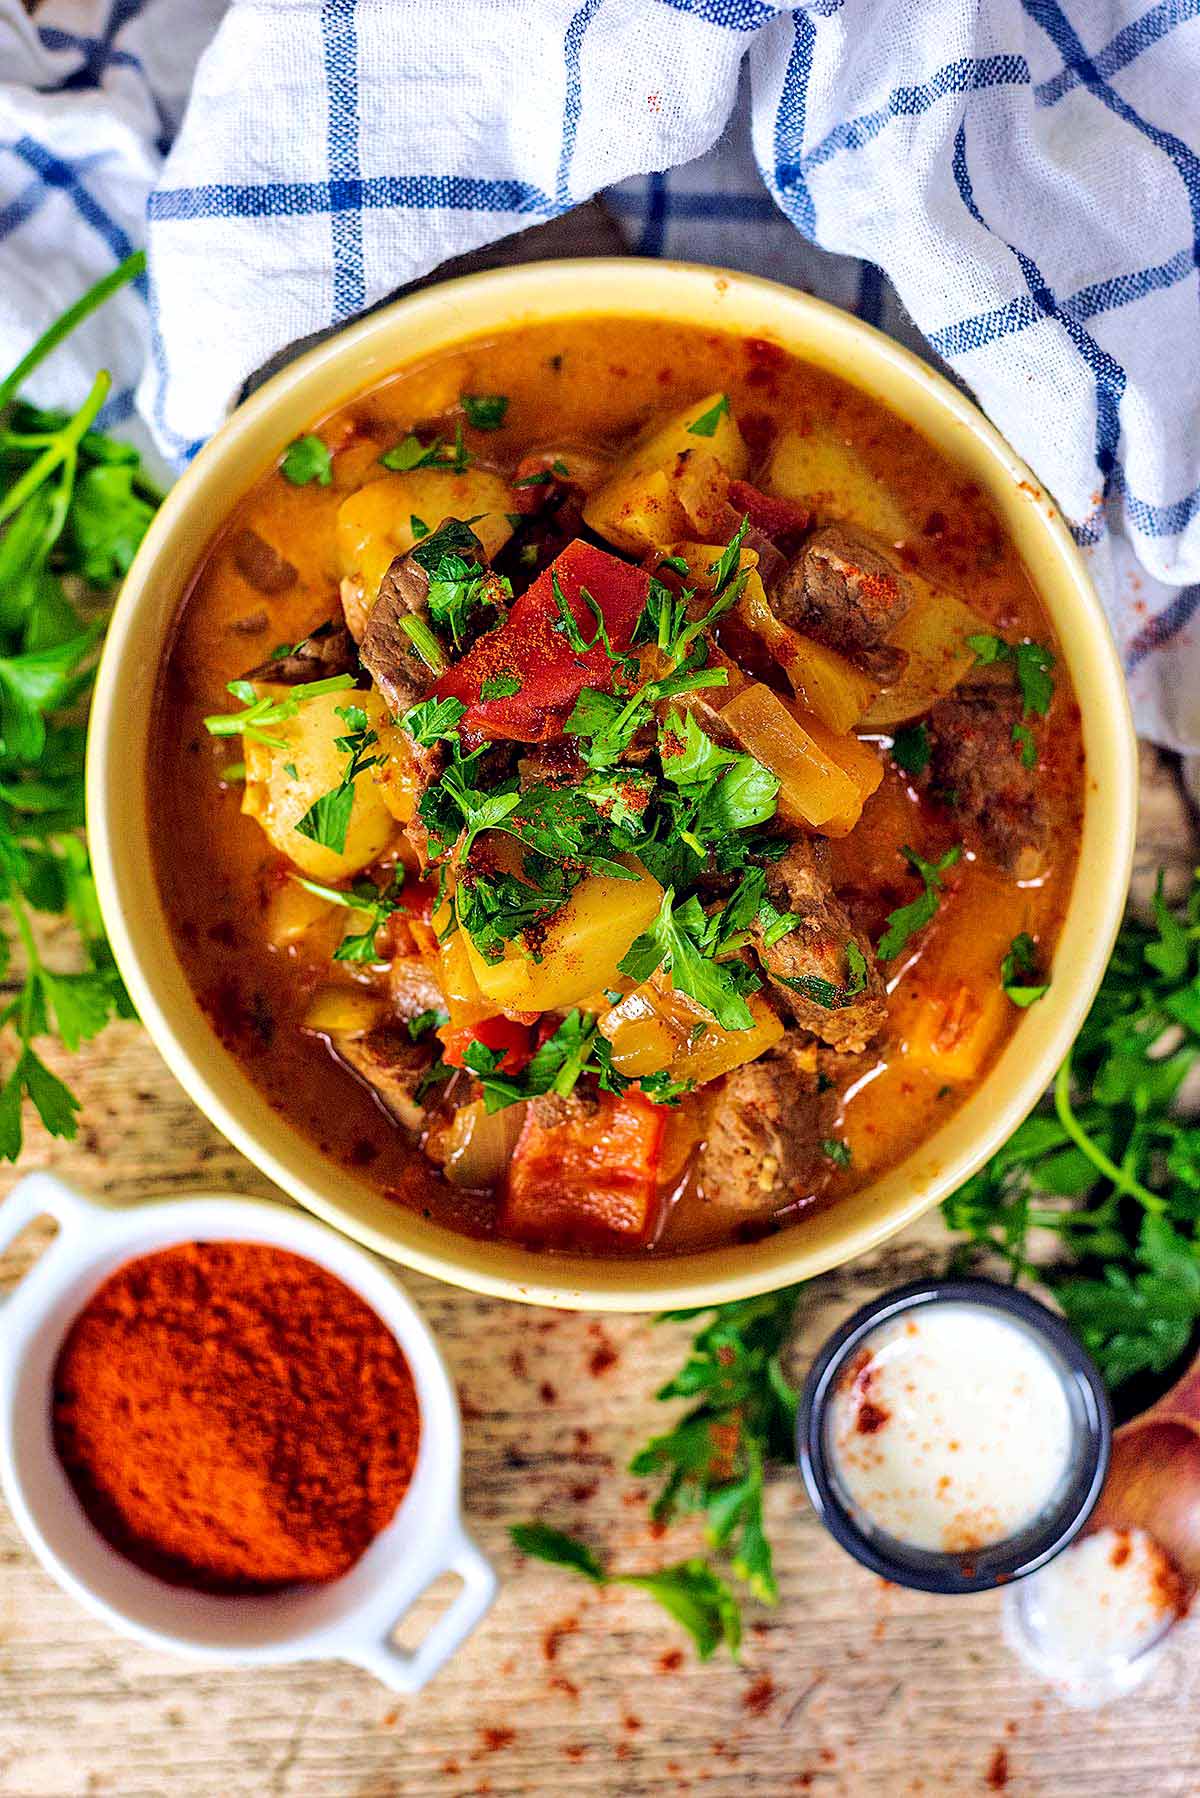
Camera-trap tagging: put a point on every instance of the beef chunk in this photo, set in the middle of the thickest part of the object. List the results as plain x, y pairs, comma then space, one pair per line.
841, 591
391, 1064
329, 650
976, 767
260, 564
814, 953
764, 1143
387, 650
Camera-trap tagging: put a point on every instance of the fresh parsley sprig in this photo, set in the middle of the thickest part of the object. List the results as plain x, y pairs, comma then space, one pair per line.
328, 818
689, 1591
74, 505
1108, 1165
714, 1461
263, 710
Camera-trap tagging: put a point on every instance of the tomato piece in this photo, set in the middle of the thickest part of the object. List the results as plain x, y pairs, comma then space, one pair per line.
773, 517
494, 1034
527, 648
593, 1175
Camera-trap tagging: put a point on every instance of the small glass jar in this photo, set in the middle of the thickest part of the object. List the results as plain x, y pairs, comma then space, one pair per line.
1031, 1541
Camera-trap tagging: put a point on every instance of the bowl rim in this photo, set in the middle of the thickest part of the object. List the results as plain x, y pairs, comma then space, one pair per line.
456, 312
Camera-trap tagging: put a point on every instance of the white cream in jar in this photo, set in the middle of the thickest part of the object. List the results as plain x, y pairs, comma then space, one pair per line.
950, 1428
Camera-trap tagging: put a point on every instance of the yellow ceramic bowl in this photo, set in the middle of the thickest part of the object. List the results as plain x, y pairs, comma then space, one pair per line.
324, 379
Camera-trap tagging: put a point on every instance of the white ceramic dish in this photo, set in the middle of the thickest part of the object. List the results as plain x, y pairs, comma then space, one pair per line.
352, 1618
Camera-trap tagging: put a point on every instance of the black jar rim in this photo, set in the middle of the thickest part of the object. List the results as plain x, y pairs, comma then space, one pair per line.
978, 1570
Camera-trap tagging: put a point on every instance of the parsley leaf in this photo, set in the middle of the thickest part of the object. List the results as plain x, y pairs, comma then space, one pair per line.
690, 1591
824, 992
681, 940
328, 818
485, 411
73, 502
706, 424
1020, 960
1032, 662
434, 721
908, 919
499, 686
307, 459
418, 527
411, 453
911, 748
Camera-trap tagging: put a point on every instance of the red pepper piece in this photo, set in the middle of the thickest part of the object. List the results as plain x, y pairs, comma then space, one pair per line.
528, 649
773, 517
493, 1033
591, 1175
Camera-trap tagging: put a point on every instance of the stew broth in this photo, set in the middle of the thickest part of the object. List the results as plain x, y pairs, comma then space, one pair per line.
271, 576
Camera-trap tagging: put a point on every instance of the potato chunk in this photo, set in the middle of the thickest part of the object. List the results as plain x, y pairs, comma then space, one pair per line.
817, 469
278, 799
642, 504
579, 947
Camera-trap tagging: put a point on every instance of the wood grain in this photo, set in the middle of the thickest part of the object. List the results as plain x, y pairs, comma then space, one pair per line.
850, 1689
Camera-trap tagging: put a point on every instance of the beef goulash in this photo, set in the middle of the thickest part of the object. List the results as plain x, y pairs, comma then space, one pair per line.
614, 787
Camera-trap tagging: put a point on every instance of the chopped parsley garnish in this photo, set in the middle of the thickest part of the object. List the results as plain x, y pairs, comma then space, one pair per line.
328, 818
417, 526
908, 919
837, 1151
911, 748
305, 460
425, 1021
485, 411
542, 478
425, 643
434, 721
262, 712
411, 453
682, 940
375, 903
690, 1592
824, 992
1026, 744
458, 586
706, 424
1020, 962
1032, 662
499, 686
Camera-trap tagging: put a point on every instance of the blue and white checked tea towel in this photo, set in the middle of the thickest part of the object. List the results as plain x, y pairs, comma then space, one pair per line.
1025, 174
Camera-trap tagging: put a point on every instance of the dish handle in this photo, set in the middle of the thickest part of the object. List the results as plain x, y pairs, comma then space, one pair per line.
41, 1195
407, 1672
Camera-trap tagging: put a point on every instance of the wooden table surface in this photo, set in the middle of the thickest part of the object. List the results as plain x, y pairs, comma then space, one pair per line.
848, 1687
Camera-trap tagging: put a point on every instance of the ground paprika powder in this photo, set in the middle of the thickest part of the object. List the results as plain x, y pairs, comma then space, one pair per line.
233, 1418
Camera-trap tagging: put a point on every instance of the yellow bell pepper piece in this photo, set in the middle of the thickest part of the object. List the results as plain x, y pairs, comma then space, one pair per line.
824, 682
456, 974
950, 1032
718, 1051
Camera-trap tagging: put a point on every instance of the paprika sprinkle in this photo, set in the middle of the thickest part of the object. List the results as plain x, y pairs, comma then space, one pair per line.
233, 1418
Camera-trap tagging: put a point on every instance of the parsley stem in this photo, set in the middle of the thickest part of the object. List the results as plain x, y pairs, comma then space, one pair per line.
62, 449
129, 270
1121, 1179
